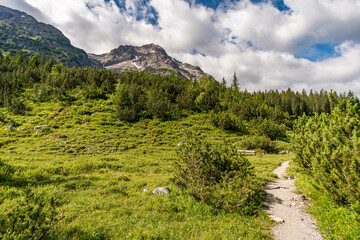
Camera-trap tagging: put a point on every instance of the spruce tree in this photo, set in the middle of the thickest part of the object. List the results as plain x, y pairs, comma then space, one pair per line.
235, 83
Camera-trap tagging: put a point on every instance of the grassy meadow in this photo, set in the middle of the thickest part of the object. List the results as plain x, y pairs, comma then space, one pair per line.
102, 172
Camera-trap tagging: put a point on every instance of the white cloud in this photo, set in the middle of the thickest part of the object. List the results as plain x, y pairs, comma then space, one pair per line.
257, 41
23, 6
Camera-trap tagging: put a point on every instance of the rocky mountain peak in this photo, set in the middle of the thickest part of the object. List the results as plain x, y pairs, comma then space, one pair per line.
150, 57
20, 31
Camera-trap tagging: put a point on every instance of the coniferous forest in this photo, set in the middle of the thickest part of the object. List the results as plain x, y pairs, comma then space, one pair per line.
82, 149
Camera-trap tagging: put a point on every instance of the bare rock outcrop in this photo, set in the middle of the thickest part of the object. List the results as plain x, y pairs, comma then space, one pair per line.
150, 57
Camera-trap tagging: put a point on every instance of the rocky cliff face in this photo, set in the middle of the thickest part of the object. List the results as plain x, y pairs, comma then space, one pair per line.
151, 57
20, 31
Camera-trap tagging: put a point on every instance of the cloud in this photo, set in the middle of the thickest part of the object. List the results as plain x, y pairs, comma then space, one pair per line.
22, 5
257, 41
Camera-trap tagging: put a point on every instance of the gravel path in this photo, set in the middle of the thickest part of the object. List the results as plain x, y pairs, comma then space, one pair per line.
286, 208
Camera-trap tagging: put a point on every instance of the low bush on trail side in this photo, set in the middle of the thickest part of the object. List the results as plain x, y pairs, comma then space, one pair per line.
218, 175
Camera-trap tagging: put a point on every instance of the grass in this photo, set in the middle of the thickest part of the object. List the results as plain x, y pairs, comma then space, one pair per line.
100, 169
335, 221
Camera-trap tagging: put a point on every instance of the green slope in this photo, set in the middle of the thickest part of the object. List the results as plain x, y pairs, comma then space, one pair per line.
21, 32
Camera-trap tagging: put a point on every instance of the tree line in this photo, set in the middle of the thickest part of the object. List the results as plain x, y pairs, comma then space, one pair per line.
138, 95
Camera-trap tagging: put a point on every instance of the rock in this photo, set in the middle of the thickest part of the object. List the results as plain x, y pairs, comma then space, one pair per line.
180, 143
247, 152
161, 191
276, 219
10, 128
39, 127
283, 152
12, 152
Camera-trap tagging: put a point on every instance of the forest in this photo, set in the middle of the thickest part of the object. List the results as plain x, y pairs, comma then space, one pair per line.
144, 95
320, 128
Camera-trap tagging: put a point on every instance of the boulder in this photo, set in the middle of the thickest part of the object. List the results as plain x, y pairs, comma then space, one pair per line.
10, 128
276, 219
39, 127
283, 152
161, 191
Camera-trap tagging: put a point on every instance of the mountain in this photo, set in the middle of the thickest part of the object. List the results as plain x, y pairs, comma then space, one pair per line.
20, 31
151, 57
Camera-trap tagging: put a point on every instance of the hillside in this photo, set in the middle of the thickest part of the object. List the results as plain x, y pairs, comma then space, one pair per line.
20, 31
64, 138
69, 145
81, 151
151, 57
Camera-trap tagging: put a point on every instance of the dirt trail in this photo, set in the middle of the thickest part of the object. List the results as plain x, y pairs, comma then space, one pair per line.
286, 208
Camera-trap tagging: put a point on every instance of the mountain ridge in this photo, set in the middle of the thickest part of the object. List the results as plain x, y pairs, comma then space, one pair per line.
150, 57
20, 31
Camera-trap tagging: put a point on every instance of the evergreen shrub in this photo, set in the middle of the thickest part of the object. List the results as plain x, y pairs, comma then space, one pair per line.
258, 142
327, 146
217, 175
27, 214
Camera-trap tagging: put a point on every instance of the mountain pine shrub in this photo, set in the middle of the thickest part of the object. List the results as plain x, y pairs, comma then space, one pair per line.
129, 101
263, 143
15, 104
269, 128
327, 146
227, 121
217, 175
27, 214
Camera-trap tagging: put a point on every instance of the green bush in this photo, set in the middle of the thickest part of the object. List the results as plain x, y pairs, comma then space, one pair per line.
227, 121
327, 147
267, 127
27, 214
217, 175
94, 94
258, 142
129, 101
15, 105
159, 105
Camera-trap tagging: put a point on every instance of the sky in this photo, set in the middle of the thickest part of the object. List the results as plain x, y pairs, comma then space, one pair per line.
269, 44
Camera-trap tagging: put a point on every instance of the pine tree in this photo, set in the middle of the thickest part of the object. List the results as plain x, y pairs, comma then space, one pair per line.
235, 83
223, 82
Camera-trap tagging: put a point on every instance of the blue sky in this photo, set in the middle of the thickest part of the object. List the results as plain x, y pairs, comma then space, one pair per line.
273, 44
